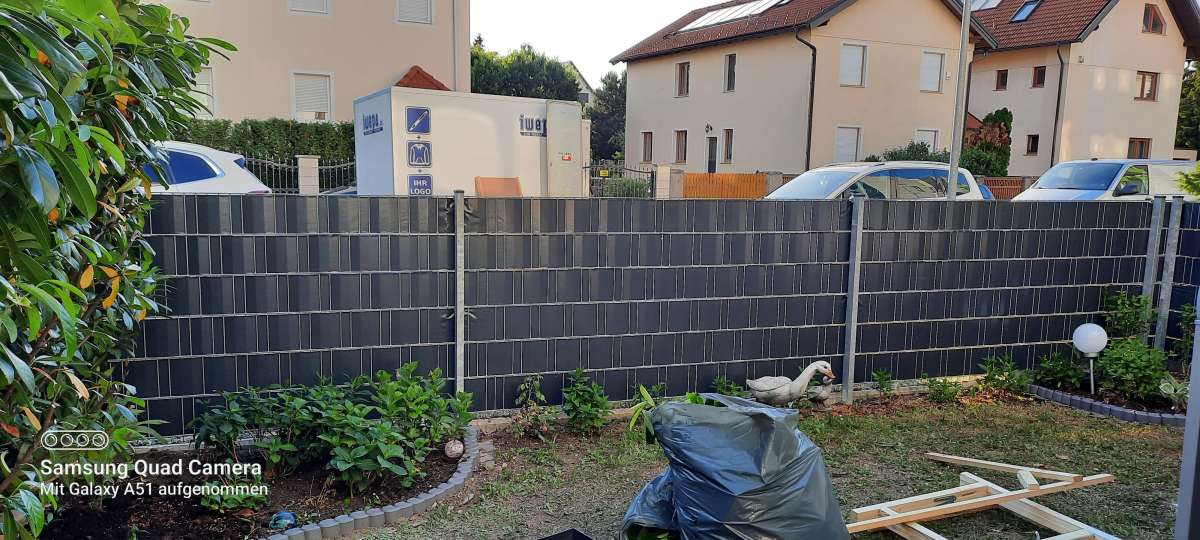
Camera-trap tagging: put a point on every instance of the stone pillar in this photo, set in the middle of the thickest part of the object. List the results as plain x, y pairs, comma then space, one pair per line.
774, 181
676, 184
310, 182
662, 182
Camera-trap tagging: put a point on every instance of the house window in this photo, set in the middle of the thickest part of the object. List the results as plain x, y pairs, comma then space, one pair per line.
309, 6
1152, 20
933, 68
1039, 77
683, 78
647, 146
730, 72
1139, 148
727, 154
846, 144
854, 65
414, 11
681, 146
1002, 79
1025, 10
313, 97
1032, 142
928, 137
204, 92
1147, 84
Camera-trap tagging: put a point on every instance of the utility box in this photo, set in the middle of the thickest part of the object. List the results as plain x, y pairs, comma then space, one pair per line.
417, 142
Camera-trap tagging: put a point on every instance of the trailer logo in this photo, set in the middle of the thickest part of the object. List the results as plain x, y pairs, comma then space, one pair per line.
417, 120
532, 126
371, 124
420, 185
420, 154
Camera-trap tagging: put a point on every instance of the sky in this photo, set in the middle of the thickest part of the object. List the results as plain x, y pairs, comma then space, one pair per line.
587, 32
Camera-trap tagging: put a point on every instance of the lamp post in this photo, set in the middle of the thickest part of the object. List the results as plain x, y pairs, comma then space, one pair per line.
1090, 339
960, 102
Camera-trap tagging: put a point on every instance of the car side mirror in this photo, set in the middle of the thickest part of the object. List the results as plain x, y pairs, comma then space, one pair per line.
1127, 188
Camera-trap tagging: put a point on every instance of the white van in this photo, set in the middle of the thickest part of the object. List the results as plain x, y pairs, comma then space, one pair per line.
1109, 180
901, 180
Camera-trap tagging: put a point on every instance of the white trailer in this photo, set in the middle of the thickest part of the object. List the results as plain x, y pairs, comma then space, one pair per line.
418, 142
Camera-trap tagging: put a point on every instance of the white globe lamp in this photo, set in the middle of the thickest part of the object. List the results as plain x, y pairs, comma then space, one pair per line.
1090, 339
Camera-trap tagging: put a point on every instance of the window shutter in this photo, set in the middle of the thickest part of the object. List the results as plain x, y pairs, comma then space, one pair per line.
312, 97
932, 67
415, 11
312, 6
929, 137
852, 65
846, 145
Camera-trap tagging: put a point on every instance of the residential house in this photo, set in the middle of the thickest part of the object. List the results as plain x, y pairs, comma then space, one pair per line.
310, 59
732, 87
1084, 78
585, 89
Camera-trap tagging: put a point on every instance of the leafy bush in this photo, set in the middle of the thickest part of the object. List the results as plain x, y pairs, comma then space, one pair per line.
417, 406
1187, 334
883, 382
363, 450
85, 89
1059, 371
627, 187
273, 138
1132, 369
231, 501
722, 385
535, 417
1127, 315
942, 390
913, 151
584, 403
1176, 391
1190, 181
1001, 373
986, 159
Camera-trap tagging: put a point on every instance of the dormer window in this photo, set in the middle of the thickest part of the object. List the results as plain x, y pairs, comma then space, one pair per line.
1026, 10
1152, 20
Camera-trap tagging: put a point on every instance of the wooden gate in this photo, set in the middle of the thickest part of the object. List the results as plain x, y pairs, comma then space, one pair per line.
724, 185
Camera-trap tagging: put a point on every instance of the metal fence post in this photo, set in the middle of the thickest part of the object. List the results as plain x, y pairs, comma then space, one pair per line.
1185, 526
309, 175
1155, 237
857, 209
1168, 274
460, 290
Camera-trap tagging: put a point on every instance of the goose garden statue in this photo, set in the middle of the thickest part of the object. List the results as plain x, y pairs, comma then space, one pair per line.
780, 391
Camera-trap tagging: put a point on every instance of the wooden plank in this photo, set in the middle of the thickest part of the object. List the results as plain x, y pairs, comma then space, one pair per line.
925, 500
1005, 467
912, 531
1036, 512
942, 511
1077, 535
724, 185
1027, 480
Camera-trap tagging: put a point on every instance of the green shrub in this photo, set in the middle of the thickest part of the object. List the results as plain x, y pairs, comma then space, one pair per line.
1127, 315
1001, 373
584, 403
722, 385
627, 187
942, 390
883, 382
274, 138
231, 501
1132, 369
1190, 181
417, 406
1059, 371
1187, 334
535, 417
1175, 391
913, 151
986, 159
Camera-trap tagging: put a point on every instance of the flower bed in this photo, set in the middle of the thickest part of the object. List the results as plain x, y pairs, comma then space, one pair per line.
1101, 408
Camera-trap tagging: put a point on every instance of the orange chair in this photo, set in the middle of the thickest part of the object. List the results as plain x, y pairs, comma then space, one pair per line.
488, 186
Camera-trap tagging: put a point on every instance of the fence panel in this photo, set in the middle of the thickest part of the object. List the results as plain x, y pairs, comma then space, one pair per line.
724, 185
1005, 187
282, 175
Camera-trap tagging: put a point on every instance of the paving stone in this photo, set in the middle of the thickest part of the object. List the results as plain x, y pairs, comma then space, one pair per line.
375, 518
312, 531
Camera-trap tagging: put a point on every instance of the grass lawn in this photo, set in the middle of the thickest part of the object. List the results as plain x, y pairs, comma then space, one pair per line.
874, 452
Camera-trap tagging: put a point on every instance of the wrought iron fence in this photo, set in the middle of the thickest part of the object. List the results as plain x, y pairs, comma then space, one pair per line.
336, 176
281, 175
608, 178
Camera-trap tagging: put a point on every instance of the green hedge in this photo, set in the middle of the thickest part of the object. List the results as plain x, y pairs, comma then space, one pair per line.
275, 138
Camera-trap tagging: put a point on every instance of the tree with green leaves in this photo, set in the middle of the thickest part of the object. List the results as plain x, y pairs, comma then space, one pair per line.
86, 87
1187, 131
607, 113
524, 72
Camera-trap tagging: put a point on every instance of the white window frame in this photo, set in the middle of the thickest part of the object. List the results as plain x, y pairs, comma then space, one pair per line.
858, 152
937, 137
728, 79
941, 80
432, 14
332, 93
866, 53
328, 8
647, 151
212, 93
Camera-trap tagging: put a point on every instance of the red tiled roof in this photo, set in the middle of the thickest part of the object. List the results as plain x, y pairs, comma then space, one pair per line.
417, 77
1066, 21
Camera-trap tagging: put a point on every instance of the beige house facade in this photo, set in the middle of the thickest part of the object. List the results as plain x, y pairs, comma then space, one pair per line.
310, 59
740, 96
1084, 78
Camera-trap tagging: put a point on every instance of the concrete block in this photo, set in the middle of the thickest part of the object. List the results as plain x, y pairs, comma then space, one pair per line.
1141, 417
375, 518
360, 519
294, 534
330, 528
277, 537
312, 531
345, 525
1175, 420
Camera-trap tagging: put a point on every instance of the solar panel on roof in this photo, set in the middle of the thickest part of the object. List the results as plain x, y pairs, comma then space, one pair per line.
733, 13
984, 4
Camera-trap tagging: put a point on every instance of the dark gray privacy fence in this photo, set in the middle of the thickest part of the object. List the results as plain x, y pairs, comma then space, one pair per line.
1187, 270
276, 289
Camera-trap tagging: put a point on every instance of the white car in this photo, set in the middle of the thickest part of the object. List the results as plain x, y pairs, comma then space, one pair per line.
897, 180
192, 168
1129, 180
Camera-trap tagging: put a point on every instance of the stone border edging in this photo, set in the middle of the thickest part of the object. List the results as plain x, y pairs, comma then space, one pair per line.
345, 526
1105, 409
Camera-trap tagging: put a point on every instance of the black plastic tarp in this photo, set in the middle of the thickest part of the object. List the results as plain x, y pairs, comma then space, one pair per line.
742, 471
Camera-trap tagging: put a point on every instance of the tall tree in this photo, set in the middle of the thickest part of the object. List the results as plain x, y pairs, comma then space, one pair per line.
524, 72
1187, 134
607, 113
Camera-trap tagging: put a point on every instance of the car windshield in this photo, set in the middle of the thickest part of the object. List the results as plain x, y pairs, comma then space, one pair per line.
818, 184
1084, 176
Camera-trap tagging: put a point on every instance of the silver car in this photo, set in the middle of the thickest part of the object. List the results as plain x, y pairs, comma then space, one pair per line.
192, 168
898, 180
1127, 180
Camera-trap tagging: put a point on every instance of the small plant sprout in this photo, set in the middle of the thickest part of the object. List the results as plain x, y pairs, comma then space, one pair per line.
884, 383
585, 403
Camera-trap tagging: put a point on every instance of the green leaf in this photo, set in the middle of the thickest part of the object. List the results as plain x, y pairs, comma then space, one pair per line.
220, 43
23, 372
39, 177
34, 511
65, 319
105, 140
21, 80
79, 187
